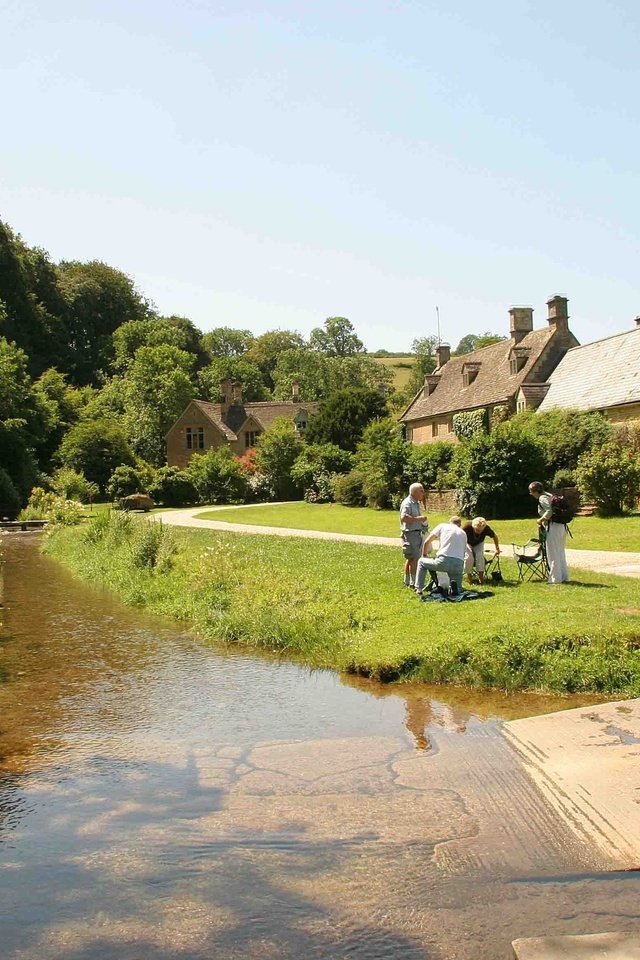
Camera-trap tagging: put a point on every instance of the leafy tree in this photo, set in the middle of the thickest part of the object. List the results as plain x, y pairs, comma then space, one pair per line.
278, 449
609, 475
172, 487
381, 460
232, 368
344, 415
217, 476
424, 350
337, 339
315, 468
10, 499
125, 480
475, 341
71, 485
98, 299
95, 448
227, 342
564, 435
60, 405
156, 389
152, 332
266, 349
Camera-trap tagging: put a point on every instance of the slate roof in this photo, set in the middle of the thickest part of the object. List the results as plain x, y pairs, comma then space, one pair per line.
494, 382
594, 376
264, 413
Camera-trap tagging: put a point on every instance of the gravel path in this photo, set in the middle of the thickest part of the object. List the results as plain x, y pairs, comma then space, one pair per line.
601, 561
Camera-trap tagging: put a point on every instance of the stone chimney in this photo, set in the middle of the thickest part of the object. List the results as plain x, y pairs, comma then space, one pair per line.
295, 391
637, 321
443, 350
236, 393
225, 392
558, 312
520, 322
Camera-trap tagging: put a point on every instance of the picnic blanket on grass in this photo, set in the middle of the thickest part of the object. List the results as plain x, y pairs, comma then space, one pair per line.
437, 597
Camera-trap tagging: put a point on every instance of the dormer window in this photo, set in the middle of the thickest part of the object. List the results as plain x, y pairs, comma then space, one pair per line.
469, 373
518, 357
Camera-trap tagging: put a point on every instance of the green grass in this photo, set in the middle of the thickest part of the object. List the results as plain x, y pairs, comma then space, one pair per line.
400, 367
343, 606
589, 533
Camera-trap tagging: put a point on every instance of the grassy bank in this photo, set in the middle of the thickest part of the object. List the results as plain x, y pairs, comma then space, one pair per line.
343, 606
589, 533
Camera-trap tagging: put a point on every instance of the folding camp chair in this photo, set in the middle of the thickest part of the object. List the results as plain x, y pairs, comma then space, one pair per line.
531, 559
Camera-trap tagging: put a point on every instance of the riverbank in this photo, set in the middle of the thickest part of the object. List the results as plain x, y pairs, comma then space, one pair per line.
343, 606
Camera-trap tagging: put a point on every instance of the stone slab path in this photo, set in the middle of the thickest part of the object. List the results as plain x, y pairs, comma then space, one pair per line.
600, 561
603, 946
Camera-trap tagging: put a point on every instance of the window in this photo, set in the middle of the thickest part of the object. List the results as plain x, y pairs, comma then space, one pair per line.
521, 405
434, 429
251, 438
450, 425
195, 438
469, 373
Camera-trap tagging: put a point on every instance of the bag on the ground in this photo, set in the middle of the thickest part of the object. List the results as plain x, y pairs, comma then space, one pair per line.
561, 510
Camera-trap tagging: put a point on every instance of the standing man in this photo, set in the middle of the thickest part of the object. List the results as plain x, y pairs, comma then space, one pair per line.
452, 549
555, 534
413, 527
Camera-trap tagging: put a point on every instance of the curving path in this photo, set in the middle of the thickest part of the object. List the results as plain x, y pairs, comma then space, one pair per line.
600, 561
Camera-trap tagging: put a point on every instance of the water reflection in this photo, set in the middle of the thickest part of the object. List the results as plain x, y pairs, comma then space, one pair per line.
160, 798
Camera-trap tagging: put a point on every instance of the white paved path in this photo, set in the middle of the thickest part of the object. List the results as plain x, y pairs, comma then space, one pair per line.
600, 561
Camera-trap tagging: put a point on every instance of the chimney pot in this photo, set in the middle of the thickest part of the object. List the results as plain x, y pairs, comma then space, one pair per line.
295, 391
236, 392
225, 391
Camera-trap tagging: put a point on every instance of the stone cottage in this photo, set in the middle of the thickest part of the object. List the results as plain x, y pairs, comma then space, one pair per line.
603, 375
513, 373
230, 422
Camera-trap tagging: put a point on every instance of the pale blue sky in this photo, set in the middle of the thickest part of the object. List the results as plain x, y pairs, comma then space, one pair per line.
270, 164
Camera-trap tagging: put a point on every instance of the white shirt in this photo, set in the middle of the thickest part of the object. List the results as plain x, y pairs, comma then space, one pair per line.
452, 541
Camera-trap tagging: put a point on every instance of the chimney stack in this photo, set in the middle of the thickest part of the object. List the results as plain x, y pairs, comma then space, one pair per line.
295, 391
637, 321
225, 392
520, 322
558, 312
236, 392
443, 351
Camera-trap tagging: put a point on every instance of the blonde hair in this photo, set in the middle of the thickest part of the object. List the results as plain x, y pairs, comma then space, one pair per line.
478, 524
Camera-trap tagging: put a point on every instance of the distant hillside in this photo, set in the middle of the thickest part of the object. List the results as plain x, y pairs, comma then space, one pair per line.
400, 366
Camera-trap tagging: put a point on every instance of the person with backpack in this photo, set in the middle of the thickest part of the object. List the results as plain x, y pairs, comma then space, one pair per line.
553, 517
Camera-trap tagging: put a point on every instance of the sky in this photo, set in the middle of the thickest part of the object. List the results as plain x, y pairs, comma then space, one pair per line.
267, 165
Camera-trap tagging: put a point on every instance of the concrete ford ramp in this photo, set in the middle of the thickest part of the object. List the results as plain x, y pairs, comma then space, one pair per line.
603, 946
586, 762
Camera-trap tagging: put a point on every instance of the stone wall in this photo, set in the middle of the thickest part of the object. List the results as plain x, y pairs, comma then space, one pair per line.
441, 501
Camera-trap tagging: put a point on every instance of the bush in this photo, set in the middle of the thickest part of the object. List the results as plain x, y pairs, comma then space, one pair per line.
428, 464
9, 496
315, 469
564, 478
563, 435
381, 459
126, 480
72, 485
95, 448
50, 506
278, 449
347, 489
610, 476
469, 423
172, 487
217, 477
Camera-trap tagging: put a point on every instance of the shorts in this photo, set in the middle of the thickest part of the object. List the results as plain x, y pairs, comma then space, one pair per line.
412, 544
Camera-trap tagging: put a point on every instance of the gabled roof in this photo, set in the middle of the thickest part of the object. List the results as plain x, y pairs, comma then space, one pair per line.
605, 373
494, 382
213, 411
231, 422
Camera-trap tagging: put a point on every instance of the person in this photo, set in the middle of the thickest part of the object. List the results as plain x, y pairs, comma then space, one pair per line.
413, 526
452, 549
477, 530
555, 534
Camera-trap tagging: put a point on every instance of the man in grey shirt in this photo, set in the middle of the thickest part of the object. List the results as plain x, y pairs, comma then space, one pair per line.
413, 527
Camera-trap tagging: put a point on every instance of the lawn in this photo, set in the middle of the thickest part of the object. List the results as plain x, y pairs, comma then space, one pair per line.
589, 533
342, 605
401, 368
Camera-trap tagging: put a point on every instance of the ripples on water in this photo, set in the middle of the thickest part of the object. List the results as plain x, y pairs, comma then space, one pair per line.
160, 798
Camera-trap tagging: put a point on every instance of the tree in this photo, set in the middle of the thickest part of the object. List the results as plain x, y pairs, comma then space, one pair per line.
95, 448
425, 362
172, 487
277, 450
227, 342
232, 368
152, 332
344, 415
337, 339
98, 299
564, 435
316, 467
609, 475
217, 476
475, 341
266, 349
156, 389
381, 460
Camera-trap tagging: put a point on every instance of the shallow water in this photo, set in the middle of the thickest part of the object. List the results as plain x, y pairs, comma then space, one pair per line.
161, 799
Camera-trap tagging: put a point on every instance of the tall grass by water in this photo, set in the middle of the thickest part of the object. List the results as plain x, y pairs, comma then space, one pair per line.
343, 606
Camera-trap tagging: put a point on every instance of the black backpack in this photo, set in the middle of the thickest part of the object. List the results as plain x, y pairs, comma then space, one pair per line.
561, 510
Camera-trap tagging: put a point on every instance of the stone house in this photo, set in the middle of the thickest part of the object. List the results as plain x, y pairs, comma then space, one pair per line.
511, 374
231, 422
603, 375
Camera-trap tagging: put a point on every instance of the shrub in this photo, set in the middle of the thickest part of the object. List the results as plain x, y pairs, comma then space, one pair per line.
381, 459
125, 480
72, 485
172, 487
315, 469
217, 477
50, 506
278, 449
428, 464
564, 478
610, 476
563, 435
95, 448
469, 423
348, 490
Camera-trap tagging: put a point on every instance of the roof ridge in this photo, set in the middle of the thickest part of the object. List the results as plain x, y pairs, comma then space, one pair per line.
612, 336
